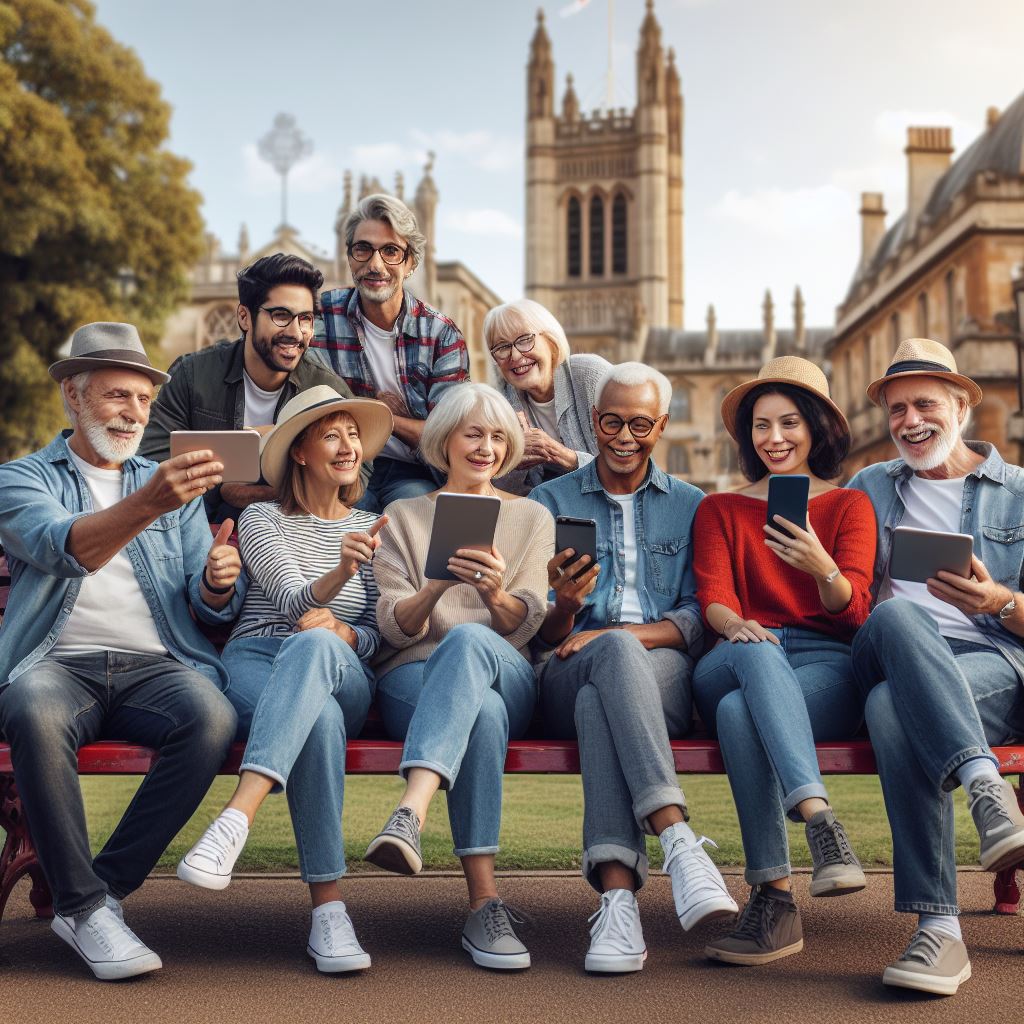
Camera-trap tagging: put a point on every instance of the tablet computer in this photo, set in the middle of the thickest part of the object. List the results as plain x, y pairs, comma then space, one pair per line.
239, 450
918, 555
460, 521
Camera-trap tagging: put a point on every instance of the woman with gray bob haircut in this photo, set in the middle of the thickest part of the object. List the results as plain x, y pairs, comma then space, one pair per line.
550, 389
396, 215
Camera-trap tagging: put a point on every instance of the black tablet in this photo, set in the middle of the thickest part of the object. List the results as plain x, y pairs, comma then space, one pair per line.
460, 521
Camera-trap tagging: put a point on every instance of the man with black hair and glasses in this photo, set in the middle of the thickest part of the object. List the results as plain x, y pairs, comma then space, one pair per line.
387, 344
245, 383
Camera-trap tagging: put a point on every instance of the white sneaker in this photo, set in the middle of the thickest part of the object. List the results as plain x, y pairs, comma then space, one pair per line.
332, 941
697, 885
616, 938
110, 948
209, 863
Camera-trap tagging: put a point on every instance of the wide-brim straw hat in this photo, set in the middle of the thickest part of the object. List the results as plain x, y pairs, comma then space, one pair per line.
922, 357
106, 346
372, 417
793, 370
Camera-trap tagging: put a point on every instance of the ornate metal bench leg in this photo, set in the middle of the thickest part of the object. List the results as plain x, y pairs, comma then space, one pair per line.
18, 857
1007, 891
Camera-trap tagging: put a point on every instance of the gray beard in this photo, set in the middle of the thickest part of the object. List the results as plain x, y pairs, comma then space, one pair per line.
108, 448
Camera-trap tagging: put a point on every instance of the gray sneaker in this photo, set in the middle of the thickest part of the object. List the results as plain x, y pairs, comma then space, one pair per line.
490, 939
933, 962
999, 822
836, 868
397, 846
768, 929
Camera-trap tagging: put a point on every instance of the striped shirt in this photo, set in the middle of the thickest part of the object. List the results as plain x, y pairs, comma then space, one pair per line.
284, 556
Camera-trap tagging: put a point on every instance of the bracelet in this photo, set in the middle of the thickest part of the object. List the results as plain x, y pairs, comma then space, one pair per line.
219, 591
831, 576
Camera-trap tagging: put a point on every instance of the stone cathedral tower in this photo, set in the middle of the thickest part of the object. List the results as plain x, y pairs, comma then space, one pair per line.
604, 202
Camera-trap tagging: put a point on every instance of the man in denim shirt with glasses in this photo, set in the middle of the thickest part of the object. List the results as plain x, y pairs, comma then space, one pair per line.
942, 662
625, 635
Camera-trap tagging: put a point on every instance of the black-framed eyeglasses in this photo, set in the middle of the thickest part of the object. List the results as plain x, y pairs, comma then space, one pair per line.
282, 317
639, 426
524, 343
391, 254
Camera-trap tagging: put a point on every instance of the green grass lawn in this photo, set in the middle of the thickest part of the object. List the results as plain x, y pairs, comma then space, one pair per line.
542, 822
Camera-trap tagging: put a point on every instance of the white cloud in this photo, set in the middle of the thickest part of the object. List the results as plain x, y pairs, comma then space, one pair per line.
495, 223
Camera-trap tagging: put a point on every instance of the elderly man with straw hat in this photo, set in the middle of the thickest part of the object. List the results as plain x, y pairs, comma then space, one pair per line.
942, 662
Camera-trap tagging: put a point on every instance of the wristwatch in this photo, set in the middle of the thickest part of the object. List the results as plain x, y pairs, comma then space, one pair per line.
1009, 608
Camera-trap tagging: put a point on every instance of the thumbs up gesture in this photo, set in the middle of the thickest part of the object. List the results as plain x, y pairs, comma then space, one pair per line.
358, 548
222, 563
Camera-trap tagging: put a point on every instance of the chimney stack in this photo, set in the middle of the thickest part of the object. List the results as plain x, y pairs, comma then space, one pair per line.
991, 117
929, 151
872, 225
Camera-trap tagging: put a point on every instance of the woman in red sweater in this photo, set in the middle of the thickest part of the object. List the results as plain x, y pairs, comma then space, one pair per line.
785, 608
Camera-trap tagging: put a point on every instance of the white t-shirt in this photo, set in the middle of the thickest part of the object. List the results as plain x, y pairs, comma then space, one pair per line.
543, 415
380, 353
631, 610
935, 505
260, 405
111, 612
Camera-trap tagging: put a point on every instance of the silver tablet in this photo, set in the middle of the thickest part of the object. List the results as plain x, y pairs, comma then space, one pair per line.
239, 450
460, 521
918, 555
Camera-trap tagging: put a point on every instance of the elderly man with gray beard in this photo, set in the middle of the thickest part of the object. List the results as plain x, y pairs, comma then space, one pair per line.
942, 662
108, 553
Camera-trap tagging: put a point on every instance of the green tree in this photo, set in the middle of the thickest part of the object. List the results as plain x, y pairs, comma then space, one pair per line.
97, 219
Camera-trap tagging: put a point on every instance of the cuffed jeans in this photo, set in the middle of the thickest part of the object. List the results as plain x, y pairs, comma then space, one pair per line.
768, 705
622, 702
64, 702
298, 700
932, 704
456, 712
392, 479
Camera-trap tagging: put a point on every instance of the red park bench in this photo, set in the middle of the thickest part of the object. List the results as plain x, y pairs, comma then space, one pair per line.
372, 754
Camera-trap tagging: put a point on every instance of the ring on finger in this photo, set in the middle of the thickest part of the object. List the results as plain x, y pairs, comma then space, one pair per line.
478, 575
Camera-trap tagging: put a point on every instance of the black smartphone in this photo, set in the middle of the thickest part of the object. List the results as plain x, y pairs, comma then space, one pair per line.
787, 497
578, 534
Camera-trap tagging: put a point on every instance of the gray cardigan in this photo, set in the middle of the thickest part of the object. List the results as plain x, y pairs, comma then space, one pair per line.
576, 383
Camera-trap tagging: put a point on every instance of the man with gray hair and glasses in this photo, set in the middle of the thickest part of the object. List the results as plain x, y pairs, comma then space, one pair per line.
387, 344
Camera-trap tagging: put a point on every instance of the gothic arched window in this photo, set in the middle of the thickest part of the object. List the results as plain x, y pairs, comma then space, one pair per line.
219, 324
619, 235
596, 237
575, 238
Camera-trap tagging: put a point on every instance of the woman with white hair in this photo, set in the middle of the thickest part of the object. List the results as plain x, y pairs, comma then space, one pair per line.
455, 683
551, 390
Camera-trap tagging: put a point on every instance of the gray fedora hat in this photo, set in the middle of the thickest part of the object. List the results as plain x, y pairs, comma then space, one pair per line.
105, 346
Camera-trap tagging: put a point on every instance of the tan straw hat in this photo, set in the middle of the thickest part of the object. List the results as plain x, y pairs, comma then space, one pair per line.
922, 357
792, 370
107, 346
372, 417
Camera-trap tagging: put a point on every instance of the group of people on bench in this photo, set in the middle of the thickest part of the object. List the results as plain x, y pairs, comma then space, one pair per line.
779, 634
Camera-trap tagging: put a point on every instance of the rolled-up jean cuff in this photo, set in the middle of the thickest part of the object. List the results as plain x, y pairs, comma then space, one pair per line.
473, 851
447, 778
651, 800
945, 909
331, 876
278, 779
606, 853
950, 781
809, 792
762, 875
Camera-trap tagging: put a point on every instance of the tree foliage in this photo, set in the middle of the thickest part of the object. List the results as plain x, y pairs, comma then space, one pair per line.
97, 219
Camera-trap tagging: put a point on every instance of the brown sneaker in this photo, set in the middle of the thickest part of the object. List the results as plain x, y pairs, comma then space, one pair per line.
933, 962
768, 929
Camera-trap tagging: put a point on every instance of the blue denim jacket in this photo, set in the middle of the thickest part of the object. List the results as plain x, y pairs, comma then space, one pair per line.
664, 509
992, 511
41, 496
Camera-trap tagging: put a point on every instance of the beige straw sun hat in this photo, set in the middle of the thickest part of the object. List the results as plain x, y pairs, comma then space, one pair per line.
917, 357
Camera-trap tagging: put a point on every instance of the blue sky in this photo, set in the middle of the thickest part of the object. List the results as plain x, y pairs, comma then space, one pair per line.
793, 107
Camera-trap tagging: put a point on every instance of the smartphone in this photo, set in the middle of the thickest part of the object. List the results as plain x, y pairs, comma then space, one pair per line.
239, 450
787, 497
918, 555
580, 535
460, 521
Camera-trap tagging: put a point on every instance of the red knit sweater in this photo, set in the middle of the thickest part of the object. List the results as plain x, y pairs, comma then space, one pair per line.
735, 567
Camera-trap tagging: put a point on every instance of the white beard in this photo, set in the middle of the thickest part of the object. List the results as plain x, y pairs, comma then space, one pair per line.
944, 445
106, 446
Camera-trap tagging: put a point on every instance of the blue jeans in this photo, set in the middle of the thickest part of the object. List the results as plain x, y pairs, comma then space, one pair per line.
932, 704
393, 479
298, 700
768, 705
456, 712
623, 703
62, 703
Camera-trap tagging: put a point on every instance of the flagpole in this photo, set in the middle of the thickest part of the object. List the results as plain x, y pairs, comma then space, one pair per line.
610, 85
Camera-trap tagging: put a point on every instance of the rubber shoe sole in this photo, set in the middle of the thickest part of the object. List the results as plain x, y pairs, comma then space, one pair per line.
709, 910
339, 964
496, 961
107, 970
752, 959
936, 986
394, 855
204, 879
839, 885
603, 963
1004, 854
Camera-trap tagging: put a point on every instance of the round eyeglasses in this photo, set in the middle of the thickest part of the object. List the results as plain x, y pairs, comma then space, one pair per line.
639, 426
524, 343
391, 254
282, 317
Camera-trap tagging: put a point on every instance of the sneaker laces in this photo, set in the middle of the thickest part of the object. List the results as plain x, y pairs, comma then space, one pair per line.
924, 948
612, 922
757, 918
988, 796
336, 930
497, 919
699, 869
830, 843
217, 842
111, 934
405, 824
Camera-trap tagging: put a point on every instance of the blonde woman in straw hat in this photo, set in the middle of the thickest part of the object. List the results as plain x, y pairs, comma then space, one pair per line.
786, 606
298, 654
942, 662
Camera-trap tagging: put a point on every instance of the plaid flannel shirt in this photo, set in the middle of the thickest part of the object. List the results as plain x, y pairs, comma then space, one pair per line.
430, 353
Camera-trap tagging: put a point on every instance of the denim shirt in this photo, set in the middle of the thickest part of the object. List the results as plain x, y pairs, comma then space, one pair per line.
992, 512
663, 511
41, 496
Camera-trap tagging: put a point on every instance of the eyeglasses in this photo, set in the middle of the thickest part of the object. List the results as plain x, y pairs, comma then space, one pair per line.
282, 317
391, 254
639, 426
524, 343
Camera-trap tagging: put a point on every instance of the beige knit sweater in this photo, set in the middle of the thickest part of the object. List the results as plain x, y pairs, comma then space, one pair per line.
525, 536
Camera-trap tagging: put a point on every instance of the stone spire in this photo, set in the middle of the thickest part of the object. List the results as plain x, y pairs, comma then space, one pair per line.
243, 245
650, 61
570, 102
768, 310
400, 186
799, 327
340, 250
540, 78
711, 348
425, 208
